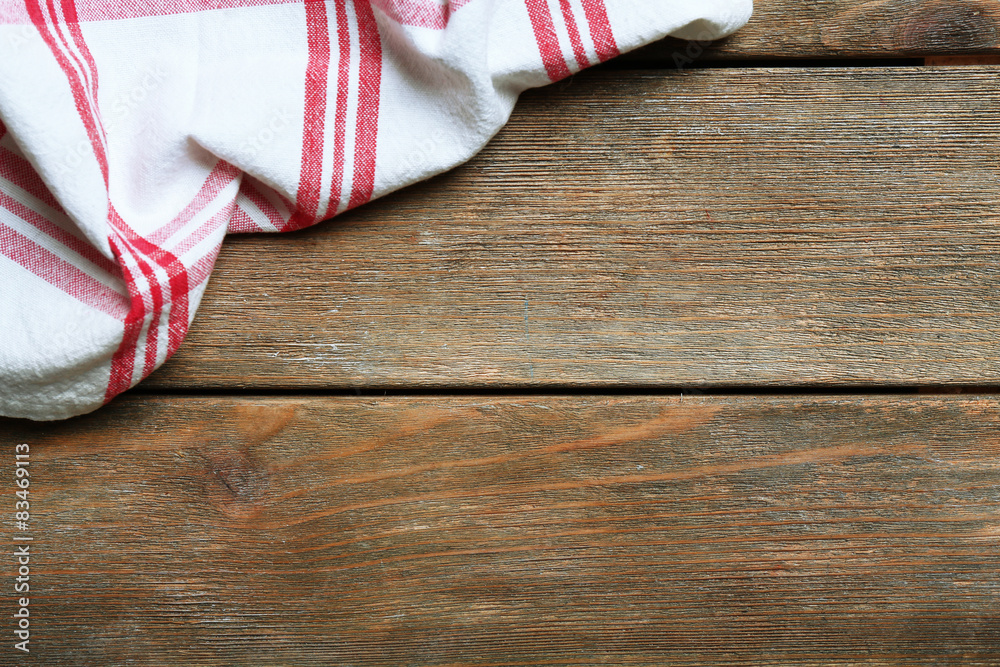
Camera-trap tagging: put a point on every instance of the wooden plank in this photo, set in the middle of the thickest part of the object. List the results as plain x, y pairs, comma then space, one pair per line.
845, 28
531, 530
723, 227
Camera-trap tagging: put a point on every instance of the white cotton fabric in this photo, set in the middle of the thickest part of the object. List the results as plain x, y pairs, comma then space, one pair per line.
134, 136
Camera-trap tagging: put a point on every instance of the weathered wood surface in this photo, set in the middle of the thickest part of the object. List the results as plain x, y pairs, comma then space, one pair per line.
572, 530
788, 29
718, 227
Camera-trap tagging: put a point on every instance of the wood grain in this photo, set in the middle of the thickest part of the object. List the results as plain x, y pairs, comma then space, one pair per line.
788, 29
725, 227
530, 530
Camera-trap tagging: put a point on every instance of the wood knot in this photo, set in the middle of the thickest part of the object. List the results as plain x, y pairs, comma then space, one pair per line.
950, 26
236, 485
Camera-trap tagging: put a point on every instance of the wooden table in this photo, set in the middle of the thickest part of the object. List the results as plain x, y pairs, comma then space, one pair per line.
689, 366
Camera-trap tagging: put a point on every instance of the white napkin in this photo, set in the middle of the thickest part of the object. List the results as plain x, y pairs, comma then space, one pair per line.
134, 136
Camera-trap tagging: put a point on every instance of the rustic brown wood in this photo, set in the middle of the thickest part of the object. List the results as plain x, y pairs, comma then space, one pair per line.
523, 530
747, 227
789, 29
723, 227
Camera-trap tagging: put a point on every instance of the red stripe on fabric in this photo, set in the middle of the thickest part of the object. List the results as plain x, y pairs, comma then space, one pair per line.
121, 377
177, 275
289, 206
423, 13
221, 176
177, 280
156, 294
152, 341
369, 90
21, 173
202, 269
73, 23
600, 29
212, 224
102, 10
431, 15
88, 72
153, 323
239, 223
46, 226
69, 11
76, 87
548, 41
317, 68
340, 120
177, 323
57, 25
59, 273
136, 246
574, 34
173, 268
3, 130
266, 207
123, 360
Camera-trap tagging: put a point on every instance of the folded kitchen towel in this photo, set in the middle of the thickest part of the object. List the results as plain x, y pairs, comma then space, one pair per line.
135, 135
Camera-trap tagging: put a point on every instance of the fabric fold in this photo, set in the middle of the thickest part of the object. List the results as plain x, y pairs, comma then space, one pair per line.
135, 136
